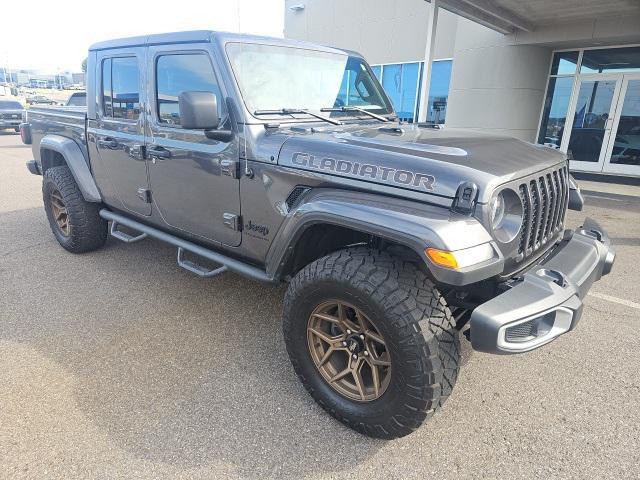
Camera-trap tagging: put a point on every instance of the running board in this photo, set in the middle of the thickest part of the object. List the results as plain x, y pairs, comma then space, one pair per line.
227, 263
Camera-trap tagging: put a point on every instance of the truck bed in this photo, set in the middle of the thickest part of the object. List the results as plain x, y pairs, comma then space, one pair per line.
65, 121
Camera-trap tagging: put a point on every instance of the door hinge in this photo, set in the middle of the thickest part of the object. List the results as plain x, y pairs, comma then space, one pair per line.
230, 168
232, 221
144, 194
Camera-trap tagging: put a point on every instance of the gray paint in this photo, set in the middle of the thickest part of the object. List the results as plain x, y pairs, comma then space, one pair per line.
398, 183
190, 195
579, 262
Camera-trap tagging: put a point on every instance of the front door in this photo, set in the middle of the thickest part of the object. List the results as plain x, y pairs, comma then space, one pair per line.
120, 129
605, 125
194, 180
591, 122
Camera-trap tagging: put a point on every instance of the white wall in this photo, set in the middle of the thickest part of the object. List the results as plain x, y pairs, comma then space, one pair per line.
496, 86
384, 31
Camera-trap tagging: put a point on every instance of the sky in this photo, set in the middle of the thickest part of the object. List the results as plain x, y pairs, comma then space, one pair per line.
54, 36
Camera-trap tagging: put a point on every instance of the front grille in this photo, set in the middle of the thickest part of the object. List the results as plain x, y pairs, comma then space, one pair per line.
544, 199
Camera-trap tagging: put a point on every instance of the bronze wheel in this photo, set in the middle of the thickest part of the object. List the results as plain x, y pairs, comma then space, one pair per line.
349, 351
59, 211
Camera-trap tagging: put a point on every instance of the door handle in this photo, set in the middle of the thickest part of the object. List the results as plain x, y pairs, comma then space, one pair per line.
108, 142
158, 152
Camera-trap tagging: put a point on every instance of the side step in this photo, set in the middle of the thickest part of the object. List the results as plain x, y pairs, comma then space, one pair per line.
198, 269
125, 237
227, 263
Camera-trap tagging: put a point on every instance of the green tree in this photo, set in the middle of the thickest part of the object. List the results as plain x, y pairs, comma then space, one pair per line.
84, 65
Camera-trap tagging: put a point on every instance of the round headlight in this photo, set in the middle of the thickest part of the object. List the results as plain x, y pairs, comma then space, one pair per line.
497, 210
506, 215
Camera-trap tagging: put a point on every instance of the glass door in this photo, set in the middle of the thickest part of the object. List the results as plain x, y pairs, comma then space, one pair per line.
623, 152
591, 120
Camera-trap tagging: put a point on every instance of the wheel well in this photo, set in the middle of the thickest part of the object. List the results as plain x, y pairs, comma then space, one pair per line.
51, 158
322, 239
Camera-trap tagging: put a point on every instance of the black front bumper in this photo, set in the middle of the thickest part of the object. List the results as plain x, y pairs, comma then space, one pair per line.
547, 302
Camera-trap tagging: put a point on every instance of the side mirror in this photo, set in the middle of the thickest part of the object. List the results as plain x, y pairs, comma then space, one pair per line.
198, 110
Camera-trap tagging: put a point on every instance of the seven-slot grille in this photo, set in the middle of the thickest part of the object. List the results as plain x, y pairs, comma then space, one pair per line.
544, 199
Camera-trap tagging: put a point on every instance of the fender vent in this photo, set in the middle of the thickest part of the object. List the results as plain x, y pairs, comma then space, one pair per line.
295, 196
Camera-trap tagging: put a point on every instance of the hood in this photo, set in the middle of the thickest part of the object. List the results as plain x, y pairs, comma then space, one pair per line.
427, 160
11, 111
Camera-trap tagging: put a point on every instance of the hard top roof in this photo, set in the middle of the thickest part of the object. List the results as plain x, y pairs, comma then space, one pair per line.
199, 36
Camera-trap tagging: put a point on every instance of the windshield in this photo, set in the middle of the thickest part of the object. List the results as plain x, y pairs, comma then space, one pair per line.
7, 104
77, 100
273, 77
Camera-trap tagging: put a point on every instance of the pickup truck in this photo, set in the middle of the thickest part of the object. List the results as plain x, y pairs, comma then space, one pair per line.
284, 161
11, 113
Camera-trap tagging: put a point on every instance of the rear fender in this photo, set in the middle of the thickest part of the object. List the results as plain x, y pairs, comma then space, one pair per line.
76, 162
411, 224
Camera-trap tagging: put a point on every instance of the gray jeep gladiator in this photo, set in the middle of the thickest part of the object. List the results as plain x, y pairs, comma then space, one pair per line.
285, 162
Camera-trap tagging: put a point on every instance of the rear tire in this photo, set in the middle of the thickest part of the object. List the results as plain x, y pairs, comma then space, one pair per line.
76, 223
402, 305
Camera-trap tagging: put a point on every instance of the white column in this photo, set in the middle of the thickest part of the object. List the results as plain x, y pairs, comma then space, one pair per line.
423, 108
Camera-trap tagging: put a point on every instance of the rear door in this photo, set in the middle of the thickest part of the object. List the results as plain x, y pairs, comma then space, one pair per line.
120, 126
194, 179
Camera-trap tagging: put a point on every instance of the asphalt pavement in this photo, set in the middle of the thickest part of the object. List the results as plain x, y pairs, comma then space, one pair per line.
119, 364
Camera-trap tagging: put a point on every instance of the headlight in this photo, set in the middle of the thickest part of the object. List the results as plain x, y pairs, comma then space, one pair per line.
497, 210
506, 215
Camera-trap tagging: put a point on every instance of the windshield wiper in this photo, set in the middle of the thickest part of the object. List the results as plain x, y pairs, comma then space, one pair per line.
355, 109
289, 111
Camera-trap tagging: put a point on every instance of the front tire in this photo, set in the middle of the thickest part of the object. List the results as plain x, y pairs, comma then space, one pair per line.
76, 223
359, 308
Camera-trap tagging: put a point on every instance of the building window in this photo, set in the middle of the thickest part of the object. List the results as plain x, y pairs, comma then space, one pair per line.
181, 73
611, 60
401, 81
439, 91
555, 111
564, 63
556, 104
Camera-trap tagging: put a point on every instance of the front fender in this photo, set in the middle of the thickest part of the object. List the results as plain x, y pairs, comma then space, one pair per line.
414, 225
75, 161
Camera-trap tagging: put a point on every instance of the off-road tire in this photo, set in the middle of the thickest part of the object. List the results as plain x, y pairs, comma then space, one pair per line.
87, 230
409, 312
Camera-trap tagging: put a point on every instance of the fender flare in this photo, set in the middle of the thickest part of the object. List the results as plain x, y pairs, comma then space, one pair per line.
76, 162
412, 224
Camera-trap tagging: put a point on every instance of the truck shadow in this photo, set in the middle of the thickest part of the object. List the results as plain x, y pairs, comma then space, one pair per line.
175, 369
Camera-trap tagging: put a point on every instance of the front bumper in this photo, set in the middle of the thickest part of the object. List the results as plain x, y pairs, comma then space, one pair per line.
10, 123
547, 301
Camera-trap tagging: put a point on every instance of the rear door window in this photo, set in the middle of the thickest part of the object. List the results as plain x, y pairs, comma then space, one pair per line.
121, 88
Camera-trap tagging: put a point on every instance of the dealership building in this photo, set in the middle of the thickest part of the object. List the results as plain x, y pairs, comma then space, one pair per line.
562, 73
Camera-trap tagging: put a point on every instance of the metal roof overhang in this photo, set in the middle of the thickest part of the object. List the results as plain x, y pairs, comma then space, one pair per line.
487, 13
512, 16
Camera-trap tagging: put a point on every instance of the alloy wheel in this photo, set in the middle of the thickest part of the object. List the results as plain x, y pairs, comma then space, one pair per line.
349, 351
59, 211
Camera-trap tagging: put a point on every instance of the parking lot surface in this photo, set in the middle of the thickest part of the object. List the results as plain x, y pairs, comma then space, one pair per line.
118, 364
